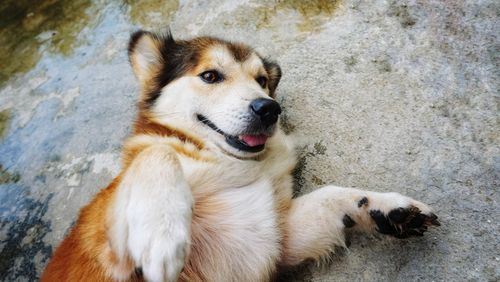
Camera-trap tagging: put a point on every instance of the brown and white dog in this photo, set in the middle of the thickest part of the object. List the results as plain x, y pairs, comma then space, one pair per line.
205, 192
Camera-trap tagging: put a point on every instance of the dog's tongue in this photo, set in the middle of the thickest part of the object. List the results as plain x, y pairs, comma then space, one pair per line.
254, 140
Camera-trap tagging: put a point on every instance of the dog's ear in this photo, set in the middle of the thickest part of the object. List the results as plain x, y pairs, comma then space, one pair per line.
274, 74
145, 51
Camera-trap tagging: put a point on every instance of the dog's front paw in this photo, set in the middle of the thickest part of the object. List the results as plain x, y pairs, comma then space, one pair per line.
163, 259
411, 219
159, 238
161, 255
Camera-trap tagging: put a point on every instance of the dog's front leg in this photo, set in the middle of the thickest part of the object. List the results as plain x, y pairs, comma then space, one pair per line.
151, 216
316, 221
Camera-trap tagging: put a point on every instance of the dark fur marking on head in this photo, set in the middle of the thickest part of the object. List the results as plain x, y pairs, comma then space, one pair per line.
177, 58
274, 72
363, 202
240, 52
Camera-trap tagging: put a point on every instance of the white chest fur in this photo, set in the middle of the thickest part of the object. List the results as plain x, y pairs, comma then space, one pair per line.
237, 231
249, 213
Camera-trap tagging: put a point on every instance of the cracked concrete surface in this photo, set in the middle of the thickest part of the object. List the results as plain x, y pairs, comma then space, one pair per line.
384, 95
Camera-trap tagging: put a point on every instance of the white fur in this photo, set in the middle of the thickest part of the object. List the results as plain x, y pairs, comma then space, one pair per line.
251, 228
157, 203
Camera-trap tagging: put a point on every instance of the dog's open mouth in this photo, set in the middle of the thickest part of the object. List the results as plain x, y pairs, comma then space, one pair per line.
245, 142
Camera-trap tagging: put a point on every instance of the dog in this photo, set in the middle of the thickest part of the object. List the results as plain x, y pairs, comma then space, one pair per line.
205, 190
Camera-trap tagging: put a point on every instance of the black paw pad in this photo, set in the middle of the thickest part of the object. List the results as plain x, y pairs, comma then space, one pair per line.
399, 215
403, 222
384, 225
348, 222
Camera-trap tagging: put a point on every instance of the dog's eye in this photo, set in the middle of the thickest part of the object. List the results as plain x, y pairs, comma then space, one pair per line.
262, 81
211, 76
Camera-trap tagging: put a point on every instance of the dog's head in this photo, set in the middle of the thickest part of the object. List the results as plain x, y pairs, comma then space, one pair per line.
220, 90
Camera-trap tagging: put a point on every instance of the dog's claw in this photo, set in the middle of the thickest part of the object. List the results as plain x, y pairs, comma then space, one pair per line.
433, 220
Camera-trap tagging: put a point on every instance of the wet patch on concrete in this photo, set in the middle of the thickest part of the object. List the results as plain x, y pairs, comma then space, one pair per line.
28, 29
22, 250
26, 102
152, 14
7, 177
4, 122
313, 14
72, 169
71, 172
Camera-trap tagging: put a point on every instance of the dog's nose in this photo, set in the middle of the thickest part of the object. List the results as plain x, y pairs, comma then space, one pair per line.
268, 110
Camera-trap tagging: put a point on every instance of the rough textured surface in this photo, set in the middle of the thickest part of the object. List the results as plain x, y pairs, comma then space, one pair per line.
385, 95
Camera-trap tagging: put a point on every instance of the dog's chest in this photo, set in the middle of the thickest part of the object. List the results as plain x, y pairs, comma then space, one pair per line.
237, 228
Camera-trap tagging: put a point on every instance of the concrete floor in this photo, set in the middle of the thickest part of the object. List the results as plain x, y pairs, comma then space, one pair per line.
385, 95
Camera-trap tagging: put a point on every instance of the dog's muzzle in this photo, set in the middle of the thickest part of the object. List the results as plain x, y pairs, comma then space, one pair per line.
265, 113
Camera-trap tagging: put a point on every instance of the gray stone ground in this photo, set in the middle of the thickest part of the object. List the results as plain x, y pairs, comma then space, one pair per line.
385, 95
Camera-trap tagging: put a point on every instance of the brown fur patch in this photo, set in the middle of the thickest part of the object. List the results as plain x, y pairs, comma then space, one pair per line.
144, 125
240, 52
193, 154
129, 153
74, 259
